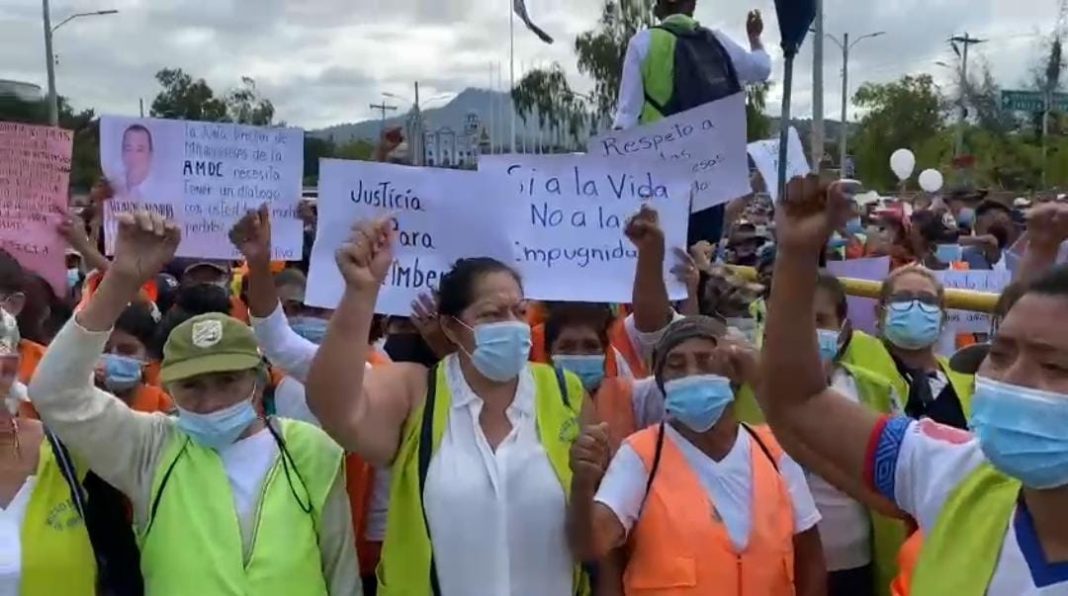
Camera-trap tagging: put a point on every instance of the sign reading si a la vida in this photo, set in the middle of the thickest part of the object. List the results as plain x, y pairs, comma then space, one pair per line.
568, 214
710, 138
438, 216
205, 176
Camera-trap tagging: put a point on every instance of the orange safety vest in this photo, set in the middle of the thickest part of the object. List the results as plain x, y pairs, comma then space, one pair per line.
30, 355
614, 402
359, 483
907, 558
680, 547
539, 352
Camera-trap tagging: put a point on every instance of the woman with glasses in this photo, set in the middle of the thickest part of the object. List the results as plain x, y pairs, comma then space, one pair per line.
911, 317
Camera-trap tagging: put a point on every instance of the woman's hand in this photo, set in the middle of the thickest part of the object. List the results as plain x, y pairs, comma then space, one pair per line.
364, 260
251, 235
425, 320
146, 242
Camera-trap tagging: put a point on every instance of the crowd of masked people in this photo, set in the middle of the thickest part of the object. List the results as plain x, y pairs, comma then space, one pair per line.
189, 426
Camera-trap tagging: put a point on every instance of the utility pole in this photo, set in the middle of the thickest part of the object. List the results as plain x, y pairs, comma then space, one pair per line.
845, 45
383, 107
818, 134
50, 64
417, 144
966, 40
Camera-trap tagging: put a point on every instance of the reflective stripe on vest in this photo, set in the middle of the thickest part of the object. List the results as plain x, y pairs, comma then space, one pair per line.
194, 543
960, 554
679, 547
57, 556
406, 566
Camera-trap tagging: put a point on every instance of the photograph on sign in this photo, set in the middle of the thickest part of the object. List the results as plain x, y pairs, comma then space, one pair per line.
205, 176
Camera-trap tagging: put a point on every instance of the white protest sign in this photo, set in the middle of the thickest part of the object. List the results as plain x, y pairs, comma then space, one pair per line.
710, 138
765, 155
204, 176
568, 214
439, 215
963, 321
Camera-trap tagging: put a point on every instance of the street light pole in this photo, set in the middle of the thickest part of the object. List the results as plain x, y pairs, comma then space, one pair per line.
50, 64
50, 58
843, 132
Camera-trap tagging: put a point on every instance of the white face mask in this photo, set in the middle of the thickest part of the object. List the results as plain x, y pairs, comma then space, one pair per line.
15, 397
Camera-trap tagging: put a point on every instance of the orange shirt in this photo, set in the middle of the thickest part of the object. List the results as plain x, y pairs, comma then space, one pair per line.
146, 398
30, 355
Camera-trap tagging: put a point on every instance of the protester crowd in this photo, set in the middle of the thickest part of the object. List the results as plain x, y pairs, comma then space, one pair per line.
179, 426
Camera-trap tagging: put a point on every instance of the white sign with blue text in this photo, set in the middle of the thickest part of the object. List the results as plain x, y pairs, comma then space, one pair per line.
710, 138
439, 215
568, 214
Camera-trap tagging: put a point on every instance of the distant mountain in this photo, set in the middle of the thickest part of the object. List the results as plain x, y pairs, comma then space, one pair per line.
491, 107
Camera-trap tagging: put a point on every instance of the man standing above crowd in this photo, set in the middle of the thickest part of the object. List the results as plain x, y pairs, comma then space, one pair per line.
679, 65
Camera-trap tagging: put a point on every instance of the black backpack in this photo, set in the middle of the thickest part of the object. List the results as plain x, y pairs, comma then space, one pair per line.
704, 71
103, 510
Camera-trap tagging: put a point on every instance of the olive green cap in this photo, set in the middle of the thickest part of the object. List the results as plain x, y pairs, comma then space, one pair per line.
209, 343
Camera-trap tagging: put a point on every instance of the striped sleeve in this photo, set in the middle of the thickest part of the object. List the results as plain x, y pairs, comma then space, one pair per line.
884, 449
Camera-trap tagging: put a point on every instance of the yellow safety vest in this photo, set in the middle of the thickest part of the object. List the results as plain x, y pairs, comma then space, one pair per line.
57, 556
406, 567
960, 554
192, 544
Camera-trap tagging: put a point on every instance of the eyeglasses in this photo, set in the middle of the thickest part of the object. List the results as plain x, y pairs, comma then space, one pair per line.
901, 302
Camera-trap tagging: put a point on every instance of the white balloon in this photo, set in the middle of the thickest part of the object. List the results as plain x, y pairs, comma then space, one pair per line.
902, 162
931, 180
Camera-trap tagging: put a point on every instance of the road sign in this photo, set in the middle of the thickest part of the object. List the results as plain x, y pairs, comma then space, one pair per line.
1032, 101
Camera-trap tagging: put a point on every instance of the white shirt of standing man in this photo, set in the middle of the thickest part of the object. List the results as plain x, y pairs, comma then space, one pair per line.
752, 67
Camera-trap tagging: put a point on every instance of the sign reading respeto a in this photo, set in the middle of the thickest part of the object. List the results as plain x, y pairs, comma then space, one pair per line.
710, 138
205, 176
34, 176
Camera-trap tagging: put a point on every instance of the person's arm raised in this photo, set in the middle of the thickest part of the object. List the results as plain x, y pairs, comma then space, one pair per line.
364, 415
118, 443
823, 430
1047, 229
251, 235
652, 307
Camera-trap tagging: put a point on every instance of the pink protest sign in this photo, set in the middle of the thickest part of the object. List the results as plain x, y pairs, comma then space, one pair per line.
34, 176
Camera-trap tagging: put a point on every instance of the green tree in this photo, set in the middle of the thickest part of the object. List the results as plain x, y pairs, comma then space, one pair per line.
185, 98
85, 156
904, 113
546, 95
358, 149
314, 150
601, 50
757, 123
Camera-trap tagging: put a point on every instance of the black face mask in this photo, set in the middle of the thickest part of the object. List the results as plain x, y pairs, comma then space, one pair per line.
410, 347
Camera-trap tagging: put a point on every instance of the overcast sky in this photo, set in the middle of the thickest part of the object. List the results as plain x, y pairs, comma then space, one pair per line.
323, 62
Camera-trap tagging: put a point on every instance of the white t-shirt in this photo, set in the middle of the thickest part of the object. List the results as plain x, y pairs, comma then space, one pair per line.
247, 462
919, 464
497, 518
728, 483
11, 520
845, 529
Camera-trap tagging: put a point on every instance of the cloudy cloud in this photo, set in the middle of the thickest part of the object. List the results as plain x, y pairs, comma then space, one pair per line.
325, 61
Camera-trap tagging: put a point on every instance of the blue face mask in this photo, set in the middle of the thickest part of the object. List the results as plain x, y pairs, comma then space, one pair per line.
1022, 432
828, 341
74, 277
855, 226
912, 325
121, 373
501, 349
588, 368
220, 428
836, 241
312, 329
949, 253
699, 401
